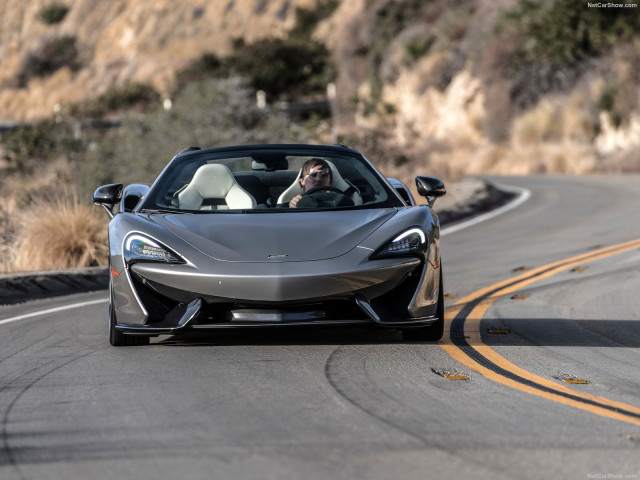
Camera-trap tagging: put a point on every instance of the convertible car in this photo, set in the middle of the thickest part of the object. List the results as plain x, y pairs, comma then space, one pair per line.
272, 236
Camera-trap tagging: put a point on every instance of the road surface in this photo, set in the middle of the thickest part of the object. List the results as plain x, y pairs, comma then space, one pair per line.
538, 375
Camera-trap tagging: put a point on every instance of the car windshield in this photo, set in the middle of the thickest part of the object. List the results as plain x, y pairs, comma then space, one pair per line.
268, 181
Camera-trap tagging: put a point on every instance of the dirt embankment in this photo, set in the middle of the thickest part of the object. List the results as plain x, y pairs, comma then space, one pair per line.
120, 41
470, 197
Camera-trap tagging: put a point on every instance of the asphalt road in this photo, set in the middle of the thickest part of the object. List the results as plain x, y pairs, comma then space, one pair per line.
539, 296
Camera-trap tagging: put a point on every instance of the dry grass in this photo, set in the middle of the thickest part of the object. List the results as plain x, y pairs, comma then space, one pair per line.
7, 231
558, 119
559, 158
63, 233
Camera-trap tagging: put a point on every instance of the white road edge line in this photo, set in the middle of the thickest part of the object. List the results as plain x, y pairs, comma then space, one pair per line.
523, 196
52, 310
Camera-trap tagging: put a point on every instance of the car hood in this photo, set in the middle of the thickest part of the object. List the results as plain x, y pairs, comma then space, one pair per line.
275, 237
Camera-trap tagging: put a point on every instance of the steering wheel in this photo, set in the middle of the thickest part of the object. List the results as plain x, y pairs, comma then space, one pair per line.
328, 188
324, 196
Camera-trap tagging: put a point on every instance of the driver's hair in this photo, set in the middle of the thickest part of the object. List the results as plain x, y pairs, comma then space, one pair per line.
314, 162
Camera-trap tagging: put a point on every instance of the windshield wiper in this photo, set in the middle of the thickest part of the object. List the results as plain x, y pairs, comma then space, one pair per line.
161, 210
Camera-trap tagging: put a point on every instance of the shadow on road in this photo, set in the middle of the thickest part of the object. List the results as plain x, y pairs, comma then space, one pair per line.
285, 336
555, 332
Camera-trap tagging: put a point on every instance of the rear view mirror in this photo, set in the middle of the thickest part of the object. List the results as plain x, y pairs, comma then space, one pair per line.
430, 188
108, 196
132, 195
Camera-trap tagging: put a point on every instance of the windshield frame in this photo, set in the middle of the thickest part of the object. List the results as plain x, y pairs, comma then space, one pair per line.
270, 156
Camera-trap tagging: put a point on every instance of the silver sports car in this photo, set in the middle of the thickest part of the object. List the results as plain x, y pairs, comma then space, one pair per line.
270, 236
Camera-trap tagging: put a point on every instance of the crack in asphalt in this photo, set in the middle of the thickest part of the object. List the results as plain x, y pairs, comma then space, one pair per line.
333, 377
7, 449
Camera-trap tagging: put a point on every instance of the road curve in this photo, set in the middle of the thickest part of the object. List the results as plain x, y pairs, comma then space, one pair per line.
537, 297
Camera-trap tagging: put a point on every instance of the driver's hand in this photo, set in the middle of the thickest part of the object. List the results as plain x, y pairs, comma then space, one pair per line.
294, 201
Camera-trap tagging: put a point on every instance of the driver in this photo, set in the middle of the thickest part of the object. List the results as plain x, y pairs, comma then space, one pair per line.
315, 173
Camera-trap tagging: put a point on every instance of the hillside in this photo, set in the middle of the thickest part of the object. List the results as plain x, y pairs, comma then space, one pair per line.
122, 41
438, 87
438, 78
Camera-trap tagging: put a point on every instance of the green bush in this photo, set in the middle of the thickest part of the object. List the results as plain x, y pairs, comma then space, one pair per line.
128, 96
53, 13
42, 141
418, 47
551, 44
307, 19
206, 66
285, 68
212, 112
53, 54
390, 19
443, 26
607, 98
564, 31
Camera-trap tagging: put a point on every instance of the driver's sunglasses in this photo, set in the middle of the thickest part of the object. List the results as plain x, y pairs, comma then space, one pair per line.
315, 175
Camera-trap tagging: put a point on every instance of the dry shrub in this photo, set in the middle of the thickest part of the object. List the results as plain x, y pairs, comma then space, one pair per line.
62, 233
470, 160
563, 158
23, 189
7, 232
622, 161
400, 161
52, 55
430, 159
540, 124
558, 119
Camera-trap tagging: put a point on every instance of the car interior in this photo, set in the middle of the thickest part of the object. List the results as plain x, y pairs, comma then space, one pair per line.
261, 182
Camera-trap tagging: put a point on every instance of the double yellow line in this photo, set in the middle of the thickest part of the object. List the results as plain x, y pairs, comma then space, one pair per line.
465, 343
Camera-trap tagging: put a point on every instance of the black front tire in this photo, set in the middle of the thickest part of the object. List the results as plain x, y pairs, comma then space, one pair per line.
433, 332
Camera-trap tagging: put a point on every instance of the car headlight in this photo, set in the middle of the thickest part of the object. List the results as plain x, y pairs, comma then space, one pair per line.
140, 248
410, 242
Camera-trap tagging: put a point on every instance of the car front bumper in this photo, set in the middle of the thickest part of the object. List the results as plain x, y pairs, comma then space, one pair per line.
155, 299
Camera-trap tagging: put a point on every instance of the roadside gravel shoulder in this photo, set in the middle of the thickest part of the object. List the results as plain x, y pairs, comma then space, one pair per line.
20, 287
470, 197
464, 199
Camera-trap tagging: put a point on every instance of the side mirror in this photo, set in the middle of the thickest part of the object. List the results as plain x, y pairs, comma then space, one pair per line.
406, 195
132, 195
108, 196
430, 188
403, 191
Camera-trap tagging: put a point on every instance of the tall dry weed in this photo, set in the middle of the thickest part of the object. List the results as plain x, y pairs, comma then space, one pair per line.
542, 123
7, 233
59, 234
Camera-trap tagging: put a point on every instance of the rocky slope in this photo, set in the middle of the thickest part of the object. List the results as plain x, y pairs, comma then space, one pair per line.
121, 41
429, 77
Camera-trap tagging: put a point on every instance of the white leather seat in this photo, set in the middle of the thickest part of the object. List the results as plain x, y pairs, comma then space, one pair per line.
336, 181
214, 188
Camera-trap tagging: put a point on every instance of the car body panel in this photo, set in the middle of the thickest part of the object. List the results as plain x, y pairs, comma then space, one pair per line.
276, 237
265, 267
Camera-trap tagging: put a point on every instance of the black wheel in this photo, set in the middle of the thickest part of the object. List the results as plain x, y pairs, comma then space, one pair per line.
119, 339
433, 332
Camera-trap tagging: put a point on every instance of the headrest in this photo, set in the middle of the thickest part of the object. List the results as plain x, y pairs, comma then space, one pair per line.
214, 181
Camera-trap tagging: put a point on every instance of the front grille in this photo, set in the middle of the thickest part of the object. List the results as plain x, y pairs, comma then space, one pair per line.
333, 310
